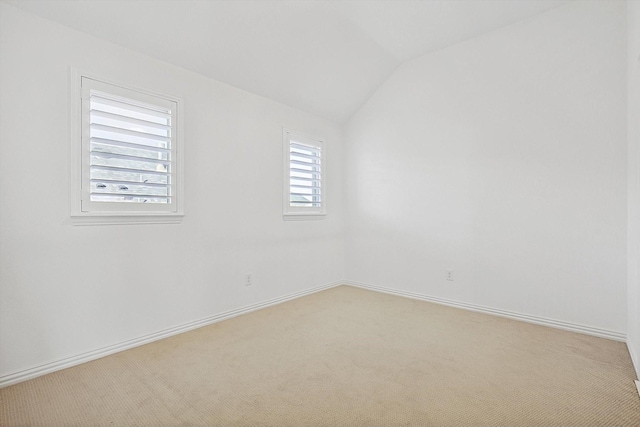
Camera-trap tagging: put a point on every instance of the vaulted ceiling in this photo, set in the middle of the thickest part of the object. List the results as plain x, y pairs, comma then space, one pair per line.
325, 57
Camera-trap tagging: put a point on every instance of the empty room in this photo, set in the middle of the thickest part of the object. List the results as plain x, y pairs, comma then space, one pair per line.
319, 213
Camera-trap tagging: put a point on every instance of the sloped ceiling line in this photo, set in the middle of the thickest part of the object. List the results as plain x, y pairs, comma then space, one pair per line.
323, 57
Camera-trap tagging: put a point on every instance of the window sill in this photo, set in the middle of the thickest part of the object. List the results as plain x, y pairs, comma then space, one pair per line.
128, 219
303, 216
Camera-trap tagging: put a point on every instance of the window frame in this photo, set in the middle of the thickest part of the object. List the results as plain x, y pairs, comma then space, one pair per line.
98, 213
292, 213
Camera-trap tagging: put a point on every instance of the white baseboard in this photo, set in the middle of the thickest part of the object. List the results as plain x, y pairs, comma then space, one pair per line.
27, 374
634, 360
588, 330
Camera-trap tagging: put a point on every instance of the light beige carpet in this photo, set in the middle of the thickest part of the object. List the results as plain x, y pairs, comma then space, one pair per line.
344, 357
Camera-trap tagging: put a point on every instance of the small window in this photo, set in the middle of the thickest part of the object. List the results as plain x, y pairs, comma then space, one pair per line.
305, 192
129, 149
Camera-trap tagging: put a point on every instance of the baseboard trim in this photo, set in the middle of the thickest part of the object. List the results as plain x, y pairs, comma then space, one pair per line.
634, 360
588, 330
47, 368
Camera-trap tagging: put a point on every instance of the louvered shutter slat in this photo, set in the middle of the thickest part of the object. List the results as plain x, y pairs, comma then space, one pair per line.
306, 187
116, 143
114, 129
130, 121
132, 170
125, 182
96, 152
152, 113
314, 166
304, 171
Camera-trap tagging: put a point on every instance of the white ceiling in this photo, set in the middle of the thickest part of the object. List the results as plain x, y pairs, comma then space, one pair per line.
324, 57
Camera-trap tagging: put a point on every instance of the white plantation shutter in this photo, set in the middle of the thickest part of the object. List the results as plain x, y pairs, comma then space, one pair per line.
305, 175
304, 192
129, 150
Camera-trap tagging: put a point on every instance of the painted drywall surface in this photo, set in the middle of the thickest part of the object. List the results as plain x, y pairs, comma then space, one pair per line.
504, 159
67, 289
633, 233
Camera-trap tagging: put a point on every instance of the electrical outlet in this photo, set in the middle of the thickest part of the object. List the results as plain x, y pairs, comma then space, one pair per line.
449, 274
248, 279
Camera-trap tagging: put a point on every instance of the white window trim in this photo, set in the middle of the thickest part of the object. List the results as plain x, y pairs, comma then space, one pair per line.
290, 213
80, 217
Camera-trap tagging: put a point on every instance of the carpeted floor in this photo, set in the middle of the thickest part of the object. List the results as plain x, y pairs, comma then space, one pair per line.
344, 357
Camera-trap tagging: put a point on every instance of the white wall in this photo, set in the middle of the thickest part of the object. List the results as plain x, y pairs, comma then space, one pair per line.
504, 158
66, 289
633, 126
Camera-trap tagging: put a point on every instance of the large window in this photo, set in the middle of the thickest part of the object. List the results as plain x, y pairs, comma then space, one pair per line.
305, 192
129, 149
